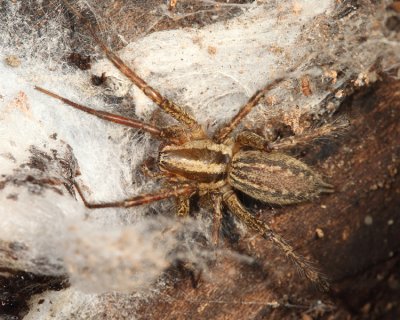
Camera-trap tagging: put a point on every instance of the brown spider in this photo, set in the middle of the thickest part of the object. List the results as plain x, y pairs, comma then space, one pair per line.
190, 162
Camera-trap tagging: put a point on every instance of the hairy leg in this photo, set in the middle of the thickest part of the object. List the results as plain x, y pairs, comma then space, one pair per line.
223, 133
217, 203
168, 106
141, 199
305, 267
255, 141
157, 132
317, 133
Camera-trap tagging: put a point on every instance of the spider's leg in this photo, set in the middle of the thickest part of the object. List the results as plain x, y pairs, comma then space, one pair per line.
155, 131
223, 133
141, 199
217, 203
168, 106
253, 140
234, 205
314, 134
183, 206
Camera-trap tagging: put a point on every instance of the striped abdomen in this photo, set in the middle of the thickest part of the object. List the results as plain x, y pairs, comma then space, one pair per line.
199, 160
274, 177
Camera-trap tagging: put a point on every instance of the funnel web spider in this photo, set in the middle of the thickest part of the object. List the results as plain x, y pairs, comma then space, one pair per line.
190, 162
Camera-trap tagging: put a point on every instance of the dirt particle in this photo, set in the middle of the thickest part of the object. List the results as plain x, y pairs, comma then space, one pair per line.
345, 234
339, 94
340, 164
98, 80
211, 50
330, 107
319, 233
172, 4
79, 60
392, 170
306, 86
368, 220
12, 196
366, 308
373, 187
393, 282
332, 75
13, 61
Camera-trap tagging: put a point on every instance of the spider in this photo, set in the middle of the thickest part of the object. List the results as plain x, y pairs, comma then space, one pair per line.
190, 162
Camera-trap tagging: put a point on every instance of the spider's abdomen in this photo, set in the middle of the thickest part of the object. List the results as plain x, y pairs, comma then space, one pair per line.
274, 177
199, 160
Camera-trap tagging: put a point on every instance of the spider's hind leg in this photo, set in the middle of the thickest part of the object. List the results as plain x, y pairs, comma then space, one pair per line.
305, 267
325, 131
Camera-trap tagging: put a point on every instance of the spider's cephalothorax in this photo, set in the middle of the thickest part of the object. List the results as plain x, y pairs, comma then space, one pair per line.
190, 162
198, 160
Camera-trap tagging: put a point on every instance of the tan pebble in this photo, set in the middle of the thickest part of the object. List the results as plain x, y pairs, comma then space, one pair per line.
211, 50
368, 220
319, 233
13, 61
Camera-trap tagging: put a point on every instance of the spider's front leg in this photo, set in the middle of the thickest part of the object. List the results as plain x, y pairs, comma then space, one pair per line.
176, 134
171, 108
234, 205
222, 135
